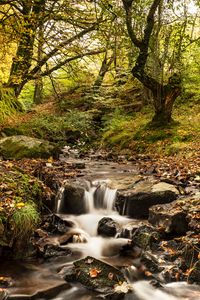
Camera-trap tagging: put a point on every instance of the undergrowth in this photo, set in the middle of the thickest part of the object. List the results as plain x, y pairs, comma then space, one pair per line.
70, 128
136, 133
24, 220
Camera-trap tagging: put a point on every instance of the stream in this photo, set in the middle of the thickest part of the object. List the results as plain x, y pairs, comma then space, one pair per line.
40, 279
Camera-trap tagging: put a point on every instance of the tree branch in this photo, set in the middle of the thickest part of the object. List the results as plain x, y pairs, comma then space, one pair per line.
60, 46
128, 8
64, 62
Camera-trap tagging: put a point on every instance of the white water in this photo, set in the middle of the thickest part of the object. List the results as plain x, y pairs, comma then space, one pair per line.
99, 196
99, 202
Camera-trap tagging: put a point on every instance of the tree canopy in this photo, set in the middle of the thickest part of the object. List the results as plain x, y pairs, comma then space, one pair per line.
152, 39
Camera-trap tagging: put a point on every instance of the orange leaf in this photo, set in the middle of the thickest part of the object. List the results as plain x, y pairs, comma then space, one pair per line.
94, 272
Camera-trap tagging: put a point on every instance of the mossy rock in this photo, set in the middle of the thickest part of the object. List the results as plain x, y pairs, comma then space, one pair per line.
95, 275
21, 200
20, 146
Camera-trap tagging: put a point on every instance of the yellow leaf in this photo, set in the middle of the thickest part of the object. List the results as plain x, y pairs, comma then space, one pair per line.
20, 204
50, 159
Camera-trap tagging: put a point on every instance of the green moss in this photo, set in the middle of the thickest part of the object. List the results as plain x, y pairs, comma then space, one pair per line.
18, 147
9, 104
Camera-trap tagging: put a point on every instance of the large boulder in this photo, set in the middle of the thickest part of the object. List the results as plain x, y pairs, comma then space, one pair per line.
136, 205
72, 201
170, 217
20, 146
97, 276
177, 217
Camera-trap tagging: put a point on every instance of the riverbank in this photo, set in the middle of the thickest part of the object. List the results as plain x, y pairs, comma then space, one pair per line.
152, 250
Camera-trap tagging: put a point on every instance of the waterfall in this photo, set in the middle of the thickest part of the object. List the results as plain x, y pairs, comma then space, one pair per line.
99, 196
59, 198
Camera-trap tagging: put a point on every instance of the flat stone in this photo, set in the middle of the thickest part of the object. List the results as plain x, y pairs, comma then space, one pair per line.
170, 217
163, 186
136, 205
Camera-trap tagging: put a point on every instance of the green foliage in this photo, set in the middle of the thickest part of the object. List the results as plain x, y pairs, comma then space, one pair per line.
73, 127
125, 132
26, 96
120, 129
24, 220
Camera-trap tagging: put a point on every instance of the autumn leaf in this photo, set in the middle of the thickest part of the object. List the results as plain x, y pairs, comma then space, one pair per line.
20, 204
94, 272
122, 287
89, 261
110, 276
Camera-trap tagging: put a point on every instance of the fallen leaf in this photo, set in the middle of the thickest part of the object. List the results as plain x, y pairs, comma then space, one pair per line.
89, 261
94, 272
110, 276
20, 204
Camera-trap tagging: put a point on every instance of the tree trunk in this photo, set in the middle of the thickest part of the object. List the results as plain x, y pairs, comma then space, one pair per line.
164, 104
9, 103
103, 70
38, 91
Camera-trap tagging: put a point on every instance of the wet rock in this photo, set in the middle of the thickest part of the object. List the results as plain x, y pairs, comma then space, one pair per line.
146, 237
3, 294
73, 200
193, 216
54, 224
182, 252
78, 165
5, 282
96, 275
130, 250
136, 205
194, 273
164, 186
128, 230
170, 217
172, 273
152, 262
55, 251
19, 146
107, 227
169, 250
49, 291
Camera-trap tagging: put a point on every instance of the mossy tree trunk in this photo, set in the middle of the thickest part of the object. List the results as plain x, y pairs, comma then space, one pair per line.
164, 95
32, 17
9, 103
164, 103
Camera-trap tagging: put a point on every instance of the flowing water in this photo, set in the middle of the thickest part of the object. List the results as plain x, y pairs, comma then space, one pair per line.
99, 202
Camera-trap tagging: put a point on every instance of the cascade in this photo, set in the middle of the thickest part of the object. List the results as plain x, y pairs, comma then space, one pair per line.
98, 202
99, 196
